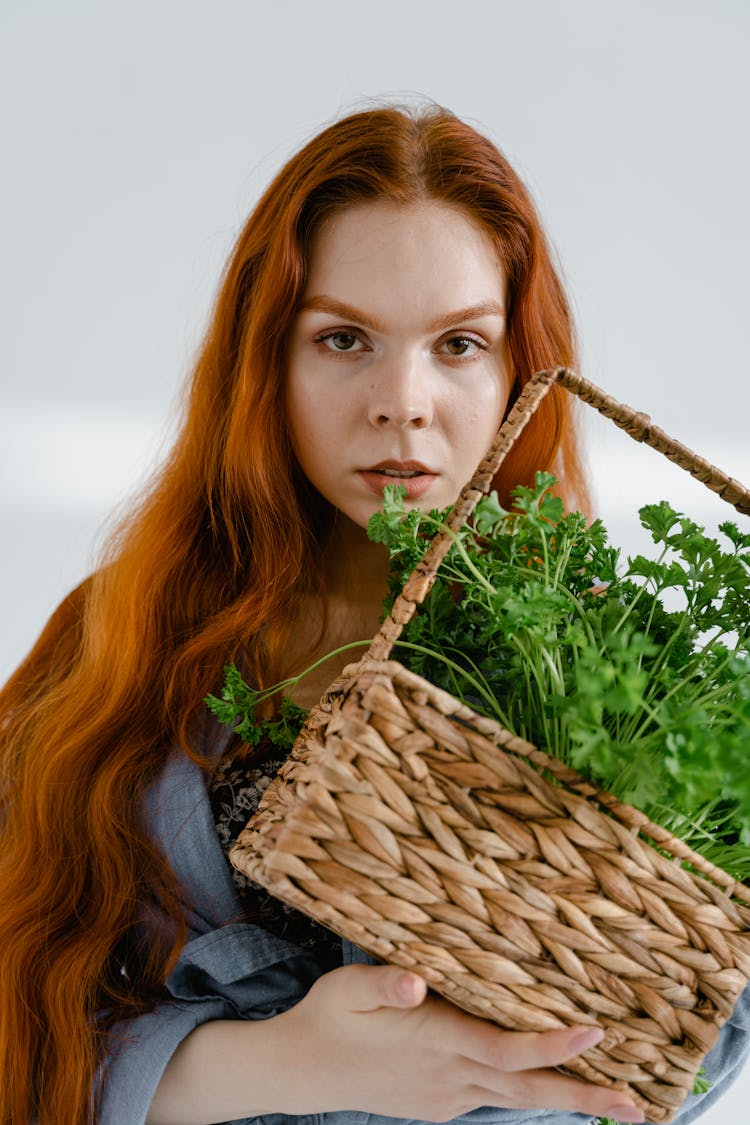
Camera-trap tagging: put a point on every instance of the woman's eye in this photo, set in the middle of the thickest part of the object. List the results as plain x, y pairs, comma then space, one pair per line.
339, 341
464, 345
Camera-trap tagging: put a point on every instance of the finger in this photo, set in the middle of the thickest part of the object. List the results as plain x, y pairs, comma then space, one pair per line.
369, 987
524, 1050
530, 1089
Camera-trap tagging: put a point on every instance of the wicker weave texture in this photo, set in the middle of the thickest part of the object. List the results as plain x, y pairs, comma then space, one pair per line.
429, 836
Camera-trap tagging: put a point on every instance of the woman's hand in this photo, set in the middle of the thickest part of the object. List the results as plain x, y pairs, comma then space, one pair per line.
369, 1038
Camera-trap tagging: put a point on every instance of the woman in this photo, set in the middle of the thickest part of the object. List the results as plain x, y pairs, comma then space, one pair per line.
388, 297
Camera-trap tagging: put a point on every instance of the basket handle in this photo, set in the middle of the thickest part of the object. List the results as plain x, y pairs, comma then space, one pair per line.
636, 424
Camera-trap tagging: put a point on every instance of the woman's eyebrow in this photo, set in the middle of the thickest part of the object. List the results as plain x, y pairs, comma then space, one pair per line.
445, 320
471, 312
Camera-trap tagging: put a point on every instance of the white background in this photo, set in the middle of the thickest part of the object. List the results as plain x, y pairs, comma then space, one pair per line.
136, 138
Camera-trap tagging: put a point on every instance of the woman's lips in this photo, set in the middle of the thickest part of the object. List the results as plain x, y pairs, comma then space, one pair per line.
376, 479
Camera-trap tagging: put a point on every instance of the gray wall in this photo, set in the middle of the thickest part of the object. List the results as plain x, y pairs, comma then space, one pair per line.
137, 136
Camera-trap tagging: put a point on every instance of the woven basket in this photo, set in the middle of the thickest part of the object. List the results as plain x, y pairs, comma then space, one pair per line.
432, 838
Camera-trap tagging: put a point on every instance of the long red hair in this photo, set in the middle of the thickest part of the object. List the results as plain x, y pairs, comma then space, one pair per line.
212, 558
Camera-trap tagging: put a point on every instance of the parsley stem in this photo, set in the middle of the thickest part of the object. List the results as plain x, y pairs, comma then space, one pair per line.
480, 684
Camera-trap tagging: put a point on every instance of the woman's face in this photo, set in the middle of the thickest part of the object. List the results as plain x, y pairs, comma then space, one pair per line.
398, 370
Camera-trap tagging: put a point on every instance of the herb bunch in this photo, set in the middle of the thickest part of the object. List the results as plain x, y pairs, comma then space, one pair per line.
536, 621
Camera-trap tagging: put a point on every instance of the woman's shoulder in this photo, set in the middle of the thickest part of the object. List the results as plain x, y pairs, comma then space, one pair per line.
182, 781
179, 819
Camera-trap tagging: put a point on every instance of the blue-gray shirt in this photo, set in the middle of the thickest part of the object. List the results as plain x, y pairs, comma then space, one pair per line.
233, 970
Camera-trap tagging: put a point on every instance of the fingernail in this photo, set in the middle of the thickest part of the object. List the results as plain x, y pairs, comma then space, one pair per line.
585, 1039
623, 1112
405, 986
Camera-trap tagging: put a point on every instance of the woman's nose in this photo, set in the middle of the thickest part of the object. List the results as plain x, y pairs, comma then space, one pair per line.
400, 395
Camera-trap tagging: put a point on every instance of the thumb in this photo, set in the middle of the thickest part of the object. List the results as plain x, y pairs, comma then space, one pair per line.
384, 986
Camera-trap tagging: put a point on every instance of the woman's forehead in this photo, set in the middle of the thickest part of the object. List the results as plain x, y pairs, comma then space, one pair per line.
385, 251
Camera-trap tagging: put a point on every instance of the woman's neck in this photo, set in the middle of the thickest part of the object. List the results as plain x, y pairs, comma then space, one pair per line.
355, 568
355, 573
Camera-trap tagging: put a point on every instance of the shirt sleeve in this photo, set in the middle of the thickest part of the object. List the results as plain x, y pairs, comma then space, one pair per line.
724, 1063
235, 972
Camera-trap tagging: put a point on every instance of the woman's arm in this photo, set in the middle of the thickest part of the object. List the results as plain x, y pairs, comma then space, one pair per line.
368, 1038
